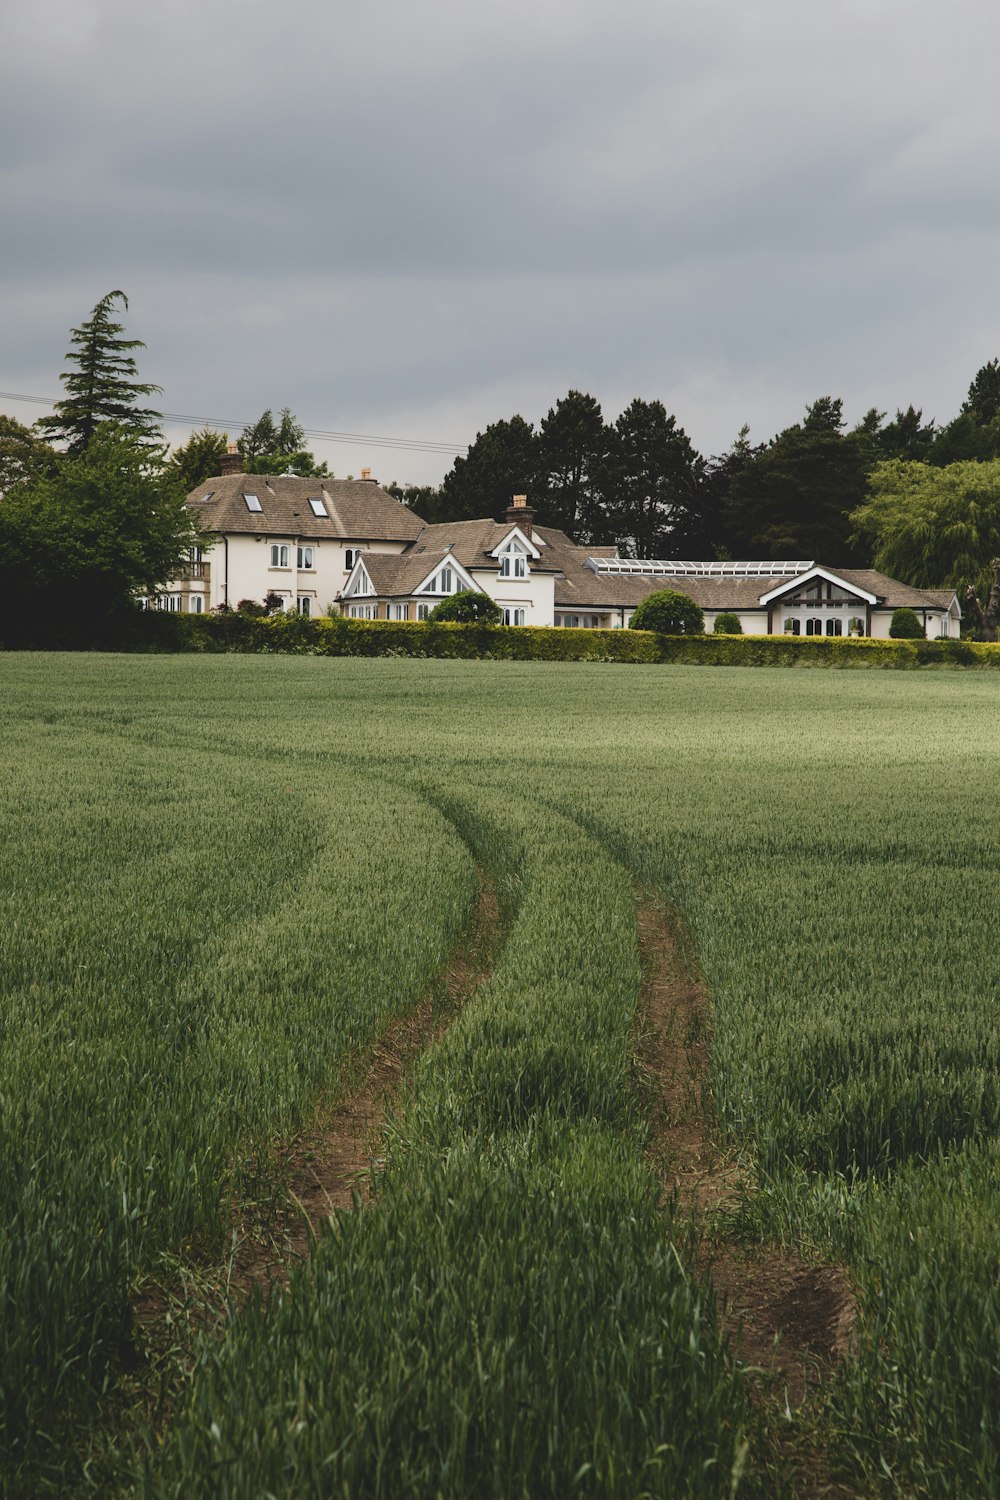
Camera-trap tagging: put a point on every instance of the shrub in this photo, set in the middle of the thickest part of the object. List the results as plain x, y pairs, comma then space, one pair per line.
904, 626
669, 613
727, 624
467, 607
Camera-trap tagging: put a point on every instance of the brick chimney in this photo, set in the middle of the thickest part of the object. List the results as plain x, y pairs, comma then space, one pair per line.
520, 514
366, 477
231, 462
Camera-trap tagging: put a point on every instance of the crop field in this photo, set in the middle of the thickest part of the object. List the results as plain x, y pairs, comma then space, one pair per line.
223, 878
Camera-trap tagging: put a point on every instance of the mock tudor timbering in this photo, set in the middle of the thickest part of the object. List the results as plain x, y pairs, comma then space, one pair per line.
347, 545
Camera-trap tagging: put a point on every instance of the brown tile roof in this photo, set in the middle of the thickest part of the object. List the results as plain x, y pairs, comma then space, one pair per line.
472, 542
357, 509
395, 577
891, 593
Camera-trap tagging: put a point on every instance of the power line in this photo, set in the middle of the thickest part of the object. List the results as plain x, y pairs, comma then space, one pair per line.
400, 445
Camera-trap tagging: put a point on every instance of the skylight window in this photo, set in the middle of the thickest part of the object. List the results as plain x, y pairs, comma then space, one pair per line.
207, 496
318, 508
253, 503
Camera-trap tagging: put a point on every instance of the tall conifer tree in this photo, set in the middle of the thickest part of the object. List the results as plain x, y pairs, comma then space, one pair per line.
103, 387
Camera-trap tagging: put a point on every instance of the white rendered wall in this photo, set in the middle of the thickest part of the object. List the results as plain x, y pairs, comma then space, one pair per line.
251, 575
534, 594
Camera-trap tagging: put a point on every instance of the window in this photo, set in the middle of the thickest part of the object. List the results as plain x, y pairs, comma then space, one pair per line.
513, 565
855, 625
793, 627
196, 604
351, 556
279, 555
364, 611
207, 496
814, 626
195, 554
253, 503
443, 583
172, 602
834, 627
318, 508
306, 557
305, 605
513, 616
423, 610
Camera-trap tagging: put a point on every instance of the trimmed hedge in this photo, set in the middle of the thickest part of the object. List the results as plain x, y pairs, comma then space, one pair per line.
297, 635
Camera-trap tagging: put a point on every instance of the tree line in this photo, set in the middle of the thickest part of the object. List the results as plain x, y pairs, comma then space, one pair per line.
92, 501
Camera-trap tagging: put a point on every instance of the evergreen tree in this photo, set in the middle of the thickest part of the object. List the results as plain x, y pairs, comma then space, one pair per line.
501, 463
574, 447
794, 499
103, 387
269, 447
650, 495
199, 459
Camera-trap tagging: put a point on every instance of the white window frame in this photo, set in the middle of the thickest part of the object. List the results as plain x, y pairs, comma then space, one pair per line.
318, 508
253, 504
513, 616
279, 554
306, 559
423, 611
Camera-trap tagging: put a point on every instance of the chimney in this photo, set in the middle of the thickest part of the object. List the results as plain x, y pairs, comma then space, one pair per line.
231, 462
520, 514
366, 477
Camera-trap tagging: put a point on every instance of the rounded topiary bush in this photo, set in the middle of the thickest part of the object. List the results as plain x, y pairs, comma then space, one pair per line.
467, 607
905, 626
669, 613
727, 624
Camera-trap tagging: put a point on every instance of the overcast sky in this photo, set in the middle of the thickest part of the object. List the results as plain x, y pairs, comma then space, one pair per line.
410, 219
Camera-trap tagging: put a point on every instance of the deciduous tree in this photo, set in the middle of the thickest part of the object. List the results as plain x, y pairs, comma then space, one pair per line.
81, 543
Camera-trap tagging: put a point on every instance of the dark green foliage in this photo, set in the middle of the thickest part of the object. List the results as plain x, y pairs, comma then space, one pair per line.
269, 447
468, 607
651, 491
905, 626
501, 463
104, 387
23, 455
669, 613
794, 499
727, 623
199, 459
79, 545
573, 451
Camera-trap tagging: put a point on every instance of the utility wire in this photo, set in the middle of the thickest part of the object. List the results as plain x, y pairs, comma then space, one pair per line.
402, 445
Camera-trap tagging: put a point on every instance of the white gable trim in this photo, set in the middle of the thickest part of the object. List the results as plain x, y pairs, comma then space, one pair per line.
464, 579
359, 584
516, 535
842, 583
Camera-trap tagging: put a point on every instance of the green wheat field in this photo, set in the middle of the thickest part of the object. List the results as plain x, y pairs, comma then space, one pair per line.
221, 878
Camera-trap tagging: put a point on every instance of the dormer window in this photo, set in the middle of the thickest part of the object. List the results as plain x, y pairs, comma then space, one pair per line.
253, 503
318, 508
513, 565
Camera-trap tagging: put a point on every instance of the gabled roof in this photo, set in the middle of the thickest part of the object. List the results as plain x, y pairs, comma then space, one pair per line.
828, 576
474, 543
401, 577
357, 509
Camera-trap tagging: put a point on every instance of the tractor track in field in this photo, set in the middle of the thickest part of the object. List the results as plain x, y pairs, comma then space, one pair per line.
790, 1318
329, 1166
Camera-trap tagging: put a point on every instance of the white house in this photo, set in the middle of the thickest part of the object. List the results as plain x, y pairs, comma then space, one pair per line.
347, 545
